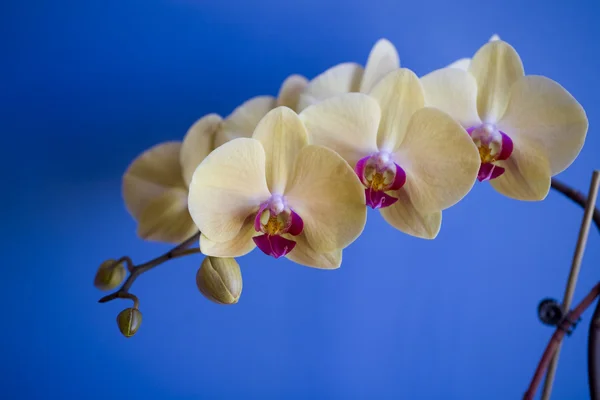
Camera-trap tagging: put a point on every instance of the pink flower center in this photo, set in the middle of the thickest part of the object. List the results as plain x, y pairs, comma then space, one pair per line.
274, 219
494, 145
380, 174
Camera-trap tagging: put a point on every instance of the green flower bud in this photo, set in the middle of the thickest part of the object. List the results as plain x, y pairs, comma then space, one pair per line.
109, 275
220, 280
129, 321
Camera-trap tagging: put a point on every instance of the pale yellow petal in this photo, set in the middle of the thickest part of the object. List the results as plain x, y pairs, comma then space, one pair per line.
243, 120
440, 160
304, 254
282, 135
150, 174
542, 110
382, 60
346, 124
453, 91
240, 245
527, 174
462, 64
403, 216
227, 187
343, 78
166, 218
327, 195
197, 143
496, 66
291, 89
399, 95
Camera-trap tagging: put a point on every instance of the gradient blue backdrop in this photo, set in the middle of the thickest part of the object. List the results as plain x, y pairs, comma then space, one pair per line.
87, 85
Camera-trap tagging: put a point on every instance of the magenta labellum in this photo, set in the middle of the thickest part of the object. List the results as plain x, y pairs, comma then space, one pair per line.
380, 174
274, 219
494, 145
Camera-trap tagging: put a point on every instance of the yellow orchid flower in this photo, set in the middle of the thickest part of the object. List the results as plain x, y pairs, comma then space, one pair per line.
155, 185
352, 77
243, 120
279, 193
413, 161
527, 128
464, 63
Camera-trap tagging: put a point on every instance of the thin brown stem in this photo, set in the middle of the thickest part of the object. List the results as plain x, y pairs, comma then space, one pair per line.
132, 297
594, 354
582, 200
588, 214
128, 263
187, 252
135, 271
559, 333
577, 196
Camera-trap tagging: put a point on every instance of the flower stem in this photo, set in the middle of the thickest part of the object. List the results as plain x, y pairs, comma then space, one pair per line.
577, 197
555, 340
135, 271
594, 354
588, 215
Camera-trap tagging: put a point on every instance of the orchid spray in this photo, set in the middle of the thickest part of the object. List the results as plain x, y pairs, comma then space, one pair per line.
293, 175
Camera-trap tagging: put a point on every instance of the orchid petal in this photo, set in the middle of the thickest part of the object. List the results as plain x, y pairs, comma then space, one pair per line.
399, 178
166, 218
340, 79
304, 254
462, 64
403, 216
527, 172
542, 110
496, 66
240, 245
377, 199
346, 124
259, 214
275, 246
327, 195
489, 171
151, 174
360, 167
291, 89
227, 187
243, 120
198, 143
296, 224
453, 91
399, 95
507, 147
440, 160
283, 135
382, 60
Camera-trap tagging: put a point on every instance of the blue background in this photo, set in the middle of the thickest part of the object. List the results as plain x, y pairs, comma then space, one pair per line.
87, 85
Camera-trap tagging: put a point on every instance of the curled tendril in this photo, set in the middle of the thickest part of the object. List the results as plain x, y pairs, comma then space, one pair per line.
550, 312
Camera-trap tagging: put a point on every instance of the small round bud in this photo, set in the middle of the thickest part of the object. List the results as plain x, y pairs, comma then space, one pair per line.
129, 321
220, 280
109, 275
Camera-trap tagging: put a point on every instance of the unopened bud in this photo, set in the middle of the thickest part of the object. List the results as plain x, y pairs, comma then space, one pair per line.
129, 321
109, 275
220, 280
